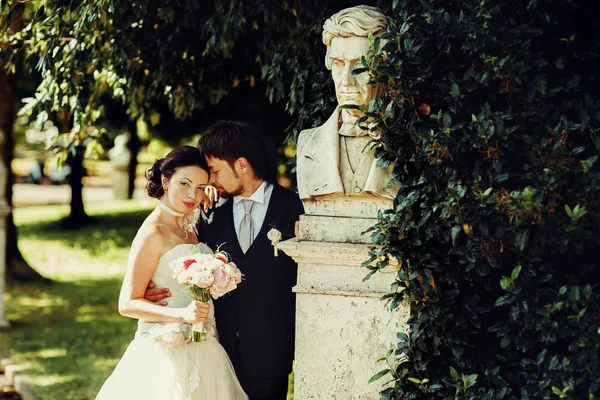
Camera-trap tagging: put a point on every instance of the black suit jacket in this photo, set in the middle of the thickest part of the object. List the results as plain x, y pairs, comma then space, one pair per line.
263, 307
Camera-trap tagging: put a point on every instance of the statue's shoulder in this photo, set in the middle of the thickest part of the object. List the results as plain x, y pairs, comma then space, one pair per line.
307, 135
310, 132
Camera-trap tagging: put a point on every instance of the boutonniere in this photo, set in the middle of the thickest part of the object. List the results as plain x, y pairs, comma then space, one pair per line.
275, 237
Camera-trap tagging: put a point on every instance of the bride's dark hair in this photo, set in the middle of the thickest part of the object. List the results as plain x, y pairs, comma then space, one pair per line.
184, 156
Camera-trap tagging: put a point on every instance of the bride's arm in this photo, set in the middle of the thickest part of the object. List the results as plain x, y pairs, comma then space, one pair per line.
146, 250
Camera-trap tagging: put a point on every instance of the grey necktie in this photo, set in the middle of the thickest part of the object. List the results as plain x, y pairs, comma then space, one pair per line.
246, 231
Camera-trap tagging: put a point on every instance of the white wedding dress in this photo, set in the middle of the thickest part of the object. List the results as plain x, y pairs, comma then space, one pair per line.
160, 364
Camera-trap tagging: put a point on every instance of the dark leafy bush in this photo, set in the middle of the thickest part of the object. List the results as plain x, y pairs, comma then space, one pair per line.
492, 118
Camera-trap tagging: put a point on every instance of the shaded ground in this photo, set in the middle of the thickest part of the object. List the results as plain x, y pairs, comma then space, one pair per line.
9, 394
69, 334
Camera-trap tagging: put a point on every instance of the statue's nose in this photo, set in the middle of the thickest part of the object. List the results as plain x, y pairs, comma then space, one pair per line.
348, 78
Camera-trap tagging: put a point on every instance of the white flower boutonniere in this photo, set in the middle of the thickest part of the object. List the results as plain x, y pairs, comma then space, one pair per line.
275, 237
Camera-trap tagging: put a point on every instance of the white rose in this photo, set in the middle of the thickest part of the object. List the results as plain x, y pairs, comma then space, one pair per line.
212, 264
274, 235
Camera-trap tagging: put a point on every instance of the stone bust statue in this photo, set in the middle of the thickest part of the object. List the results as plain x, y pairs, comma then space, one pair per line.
120, 155
334, 158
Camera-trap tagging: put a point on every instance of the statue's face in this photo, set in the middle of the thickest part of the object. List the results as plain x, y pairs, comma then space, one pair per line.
345, 55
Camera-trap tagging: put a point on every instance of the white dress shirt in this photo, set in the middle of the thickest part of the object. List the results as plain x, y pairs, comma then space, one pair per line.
261, 198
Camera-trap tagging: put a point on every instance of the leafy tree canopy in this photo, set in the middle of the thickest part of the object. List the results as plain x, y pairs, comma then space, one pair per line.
163, 60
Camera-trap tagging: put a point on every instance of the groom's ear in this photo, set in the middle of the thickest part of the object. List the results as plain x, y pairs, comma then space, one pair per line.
242, 164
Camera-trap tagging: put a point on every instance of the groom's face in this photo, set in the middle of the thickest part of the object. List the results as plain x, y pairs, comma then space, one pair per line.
224, 178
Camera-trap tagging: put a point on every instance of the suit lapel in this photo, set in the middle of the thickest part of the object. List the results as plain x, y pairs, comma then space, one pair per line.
224, 220
275, 210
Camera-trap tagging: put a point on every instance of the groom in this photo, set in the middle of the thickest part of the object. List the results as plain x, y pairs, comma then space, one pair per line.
256, 321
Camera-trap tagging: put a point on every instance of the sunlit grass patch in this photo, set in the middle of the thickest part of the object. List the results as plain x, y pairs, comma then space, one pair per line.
98, 250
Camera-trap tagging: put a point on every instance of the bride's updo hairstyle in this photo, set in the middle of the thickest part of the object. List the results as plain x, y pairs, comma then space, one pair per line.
184, 156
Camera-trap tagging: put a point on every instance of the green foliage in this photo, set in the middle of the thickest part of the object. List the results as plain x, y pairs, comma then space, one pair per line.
164, 60
492, 118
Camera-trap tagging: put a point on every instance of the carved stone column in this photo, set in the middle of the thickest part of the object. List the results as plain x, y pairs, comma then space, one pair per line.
342, 326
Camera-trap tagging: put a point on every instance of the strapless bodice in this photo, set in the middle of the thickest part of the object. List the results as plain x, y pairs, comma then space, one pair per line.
163, 278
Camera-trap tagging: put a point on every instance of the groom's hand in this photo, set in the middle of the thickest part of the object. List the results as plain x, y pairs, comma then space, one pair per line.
211, 196
155, 295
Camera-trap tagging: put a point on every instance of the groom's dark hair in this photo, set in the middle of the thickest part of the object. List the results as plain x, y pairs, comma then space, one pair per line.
230, 140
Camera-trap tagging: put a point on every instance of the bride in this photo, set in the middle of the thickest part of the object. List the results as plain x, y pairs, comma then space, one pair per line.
160, 363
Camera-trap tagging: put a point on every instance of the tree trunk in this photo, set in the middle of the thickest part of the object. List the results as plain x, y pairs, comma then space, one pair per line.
77, 218
17, 269
133, 145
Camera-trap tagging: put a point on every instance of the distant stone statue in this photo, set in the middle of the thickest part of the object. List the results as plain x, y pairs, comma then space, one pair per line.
120, 157
334, 158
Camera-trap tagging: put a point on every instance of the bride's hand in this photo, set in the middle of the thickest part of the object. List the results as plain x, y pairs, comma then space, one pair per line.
211, 196
196, 312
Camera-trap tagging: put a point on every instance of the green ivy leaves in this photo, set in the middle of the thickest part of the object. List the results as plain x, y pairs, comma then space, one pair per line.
494, 137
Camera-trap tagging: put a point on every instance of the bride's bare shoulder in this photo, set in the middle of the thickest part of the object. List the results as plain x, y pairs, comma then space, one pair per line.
151, 235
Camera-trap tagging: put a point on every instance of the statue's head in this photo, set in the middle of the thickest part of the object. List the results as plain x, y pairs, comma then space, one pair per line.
121, 141
346, 36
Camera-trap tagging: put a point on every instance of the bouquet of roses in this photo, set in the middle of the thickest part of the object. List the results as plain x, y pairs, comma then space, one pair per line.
203, 276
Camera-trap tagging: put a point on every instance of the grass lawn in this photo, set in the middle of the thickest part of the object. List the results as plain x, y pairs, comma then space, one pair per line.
68, 333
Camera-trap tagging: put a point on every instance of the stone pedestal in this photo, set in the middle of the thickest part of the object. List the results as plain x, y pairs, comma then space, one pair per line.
120, 183
120, 157
342, 326
4, 212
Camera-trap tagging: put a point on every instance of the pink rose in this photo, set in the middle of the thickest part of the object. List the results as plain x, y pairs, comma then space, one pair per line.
235, 272
204, 279
232, 285
221, 277
215, 292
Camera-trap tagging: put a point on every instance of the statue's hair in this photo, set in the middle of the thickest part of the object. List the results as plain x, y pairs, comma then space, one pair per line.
354, 21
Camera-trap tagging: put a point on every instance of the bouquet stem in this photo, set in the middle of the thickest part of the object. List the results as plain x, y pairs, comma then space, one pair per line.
197, 332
